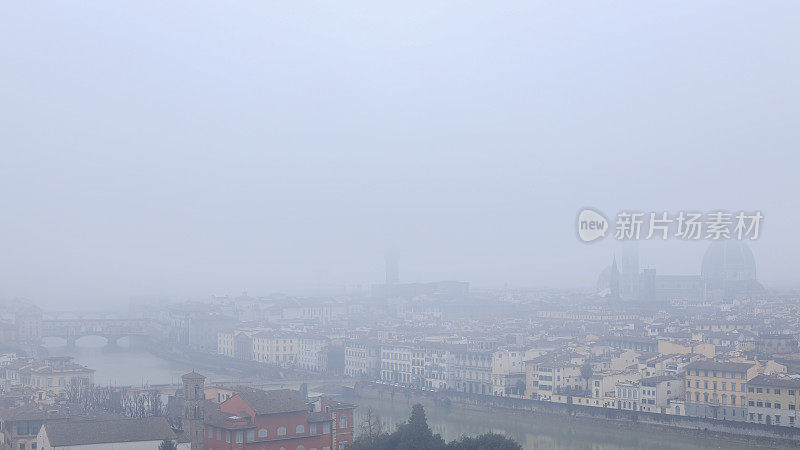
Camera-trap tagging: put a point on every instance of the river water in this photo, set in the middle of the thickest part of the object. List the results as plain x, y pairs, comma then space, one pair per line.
128, 365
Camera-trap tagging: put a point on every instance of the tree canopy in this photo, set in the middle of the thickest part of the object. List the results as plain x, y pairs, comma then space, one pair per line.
415, 434
167, 444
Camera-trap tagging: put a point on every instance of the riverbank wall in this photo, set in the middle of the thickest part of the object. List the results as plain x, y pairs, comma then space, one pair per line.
731, 431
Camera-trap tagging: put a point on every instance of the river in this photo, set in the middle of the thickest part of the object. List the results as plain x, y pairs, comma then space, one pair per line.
128, 365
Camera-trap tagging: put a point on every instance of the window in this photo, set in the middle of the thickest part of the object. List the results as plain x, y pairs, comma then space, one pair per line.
210, 433
342, 421
227, 436
300, 447
282, 431
312, 429
777, 391
239, 437
300, 429
326, 428
262, 433
251, 435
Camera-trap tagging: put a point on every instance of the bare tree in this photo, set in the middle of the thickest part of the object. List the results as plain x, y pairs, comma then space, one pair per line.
371, 427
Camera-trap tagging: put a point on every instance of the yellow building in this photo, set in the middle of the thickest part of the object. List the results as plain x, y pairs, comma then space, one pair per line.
54, 375
554, 373
718, 388
674, 348
773, 400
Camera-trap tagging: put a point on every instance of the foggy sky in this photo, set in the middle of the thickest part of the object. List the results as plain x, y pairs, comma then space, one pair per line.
181, 149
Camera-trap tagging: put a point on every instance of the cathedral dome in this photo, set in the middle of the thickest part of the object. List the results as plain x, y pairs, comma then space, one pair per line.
729, 260
729, 270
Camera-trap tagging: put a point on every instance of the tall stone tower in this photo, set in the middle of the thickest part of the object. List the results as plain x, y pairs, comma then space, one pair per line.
614, 281
193, 397
629, 271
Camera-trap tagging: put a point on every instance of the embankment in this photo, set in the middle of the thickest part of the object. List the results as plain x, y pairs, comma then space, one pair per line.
731, 431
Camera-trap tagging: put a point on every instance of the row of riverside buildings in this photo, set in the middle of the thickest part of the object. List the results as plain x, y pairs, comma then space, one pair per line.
622, 372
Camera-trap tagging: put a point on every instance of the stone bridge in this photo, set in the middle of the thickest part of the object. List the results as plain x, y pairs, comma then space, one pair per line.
111, 329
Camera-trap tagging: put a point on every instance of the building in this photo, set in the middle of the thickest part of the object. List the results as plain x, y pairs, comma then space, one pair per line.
20, 425
118, 434
773, 400
28, 322
342, 420
729, 271
554, 373
666, 347
362, 359
775, 344
437, 366
437, 291
471, 370
717, 389
603, 384
311, 350
508, 371
56, 376
275, 348
396, 364
627, 395
657, 394
272, 420
193, 408
636, 343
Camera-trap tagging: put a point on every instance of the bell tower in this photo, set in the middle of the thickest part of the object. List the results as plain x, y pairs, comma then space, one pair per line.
193, 397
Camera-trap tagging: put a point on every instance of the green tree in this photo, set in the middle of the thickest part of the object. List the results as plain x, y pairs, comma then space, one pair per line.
168, 444
415, 434
520, 386
488, 441
586, 373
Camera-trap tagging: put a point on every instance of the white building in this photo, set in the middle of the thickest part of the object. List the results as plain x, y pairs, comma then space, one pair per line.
657, 394
396, 364
508, 371
310, 349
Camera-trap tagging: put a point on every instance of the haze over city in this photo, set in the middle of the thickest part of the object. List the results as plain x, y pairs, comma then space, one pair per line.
354, 225
177, 151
